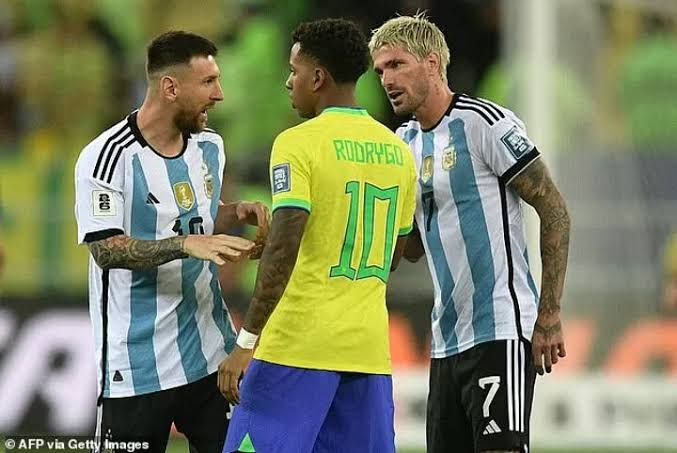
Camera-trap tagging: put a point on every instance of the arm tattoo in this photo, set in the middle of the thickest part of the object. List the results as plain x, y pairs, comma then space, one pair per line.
535, 186
128, 253
277, 263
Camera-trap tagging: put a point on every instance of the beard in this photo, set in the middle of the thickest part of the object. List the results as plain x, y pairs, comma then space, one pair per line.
189, 122
419, 93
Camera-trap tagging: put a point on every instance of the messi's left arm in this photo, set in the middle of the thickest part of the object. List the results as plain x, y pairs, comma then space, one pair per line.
277, 263
535, 186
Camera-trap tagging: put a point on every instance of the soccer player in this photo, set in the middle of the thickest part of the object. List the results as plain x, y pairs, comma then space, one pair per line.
148, 207
491, 332
343, 200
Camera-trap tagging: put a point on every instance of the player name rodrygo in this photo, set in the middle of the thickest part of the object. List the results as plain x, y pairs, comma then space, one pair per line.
368, 152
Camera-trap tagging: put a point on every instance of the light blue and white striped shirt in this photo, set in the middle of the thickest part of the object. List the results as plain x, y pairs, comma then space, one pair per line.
167, 326
471, 225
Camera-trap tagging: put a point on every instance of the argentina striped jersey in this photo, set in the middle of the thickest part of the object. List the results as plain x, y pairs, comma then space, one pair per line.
164, 327
471, 226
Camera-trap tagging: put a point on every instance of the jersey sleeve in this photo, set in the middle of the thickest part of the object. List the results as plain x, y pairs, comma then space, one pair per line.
290, 173
507, 149
99, 205
409, 201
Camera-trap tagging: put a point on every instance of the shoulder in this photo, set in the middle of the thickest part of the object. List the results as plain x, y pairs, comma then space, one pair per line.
94, 152
209, 135
296, 136
484, 117
408, 130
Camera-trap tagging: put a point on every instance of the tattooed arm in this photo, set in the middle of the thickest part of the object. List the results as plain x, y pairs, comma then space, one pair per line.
124, 252
277, 263
535, 186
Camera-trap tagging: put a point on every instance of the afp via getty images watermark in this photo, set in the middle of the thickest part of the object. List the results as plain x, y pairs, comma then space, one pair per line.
71, 444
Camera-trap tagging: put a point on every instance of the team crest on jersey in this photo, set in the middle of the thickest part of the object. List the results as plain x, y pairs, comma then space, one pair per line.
183, 193
448, 158
208, 180
427, 169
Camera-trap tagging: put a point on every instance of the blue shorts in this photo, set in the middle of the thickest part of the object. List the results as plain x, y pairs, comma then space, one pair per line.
296, 410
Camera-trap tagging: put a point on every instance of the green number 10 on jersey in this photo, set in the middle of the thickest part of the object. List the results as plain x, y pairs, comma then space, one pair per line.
376, 234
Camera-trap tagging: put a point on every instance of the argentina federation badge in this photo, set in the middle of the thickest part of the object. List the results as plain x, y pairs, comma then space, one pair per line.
183, 193
208, 180
448, 158
209, 185
427, 169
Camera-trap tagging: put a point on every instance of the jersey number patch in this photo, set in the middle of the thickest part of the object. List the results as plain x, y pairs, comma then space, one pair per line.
366, 209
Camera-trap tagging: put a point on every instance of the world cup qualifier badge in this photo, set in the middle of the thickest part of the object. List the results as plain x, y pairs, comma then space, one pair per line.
281, 176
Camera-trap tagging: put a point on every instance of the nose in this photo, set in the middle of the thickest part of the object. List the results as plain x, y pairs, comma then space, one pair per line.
386, 79
287, 83
218, 95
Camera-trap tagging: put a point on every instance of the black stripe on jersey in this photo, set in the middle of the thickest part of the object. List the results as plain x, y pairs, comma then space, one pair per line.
470, 102
496, 112
508, 256
476, 110
102, 234
123, 147
105, 148
519, 166
104, 327
111, 151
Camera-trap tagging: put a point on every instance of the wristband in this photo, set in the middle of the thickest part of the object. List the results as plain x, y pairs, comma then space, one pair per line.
246, 340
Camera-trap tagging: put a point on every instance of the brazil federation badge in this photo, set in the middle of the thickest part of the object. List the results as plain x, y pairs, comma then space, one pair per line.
183, 193
448, 158
427, 169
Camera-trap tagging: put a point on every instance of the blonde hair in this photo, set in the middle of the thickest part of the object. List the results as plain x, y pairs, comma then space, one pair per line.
416, 35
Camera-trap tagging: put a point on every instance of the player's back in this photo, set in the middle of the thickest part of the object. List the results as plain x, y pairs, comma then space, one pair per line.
357, 180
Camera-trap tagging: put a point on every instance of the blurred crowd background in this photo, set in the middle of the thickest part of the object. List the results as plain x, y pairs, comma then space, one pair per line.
594, 80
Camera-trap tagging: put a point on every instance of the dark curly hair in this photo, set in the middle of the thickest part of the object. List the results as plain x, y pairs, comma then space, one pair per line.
337, 44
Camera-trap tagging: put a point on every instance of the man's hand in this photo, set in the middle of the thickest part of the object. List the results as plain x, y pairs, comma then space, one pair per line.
547, 343
218, 248
257, 214
230, 371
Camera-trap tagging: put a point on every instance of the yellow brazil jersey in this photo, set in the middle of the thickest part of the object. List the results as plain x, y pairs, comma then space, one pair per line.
357, 180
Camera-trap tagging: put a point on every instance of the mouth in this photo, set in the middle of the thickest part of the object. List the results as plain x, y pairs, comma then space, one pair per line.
395, 96
203, 113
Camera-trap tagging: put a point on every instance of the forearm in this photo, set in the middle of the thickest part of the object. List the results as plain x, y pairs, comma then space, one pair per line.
274, 272
125, 252
555, 229
277, 263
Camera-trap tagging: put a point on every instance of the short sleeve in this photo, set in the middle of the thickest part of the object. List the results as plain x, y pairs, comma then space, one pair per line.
409, 202
290, 173
507, 149
99, 205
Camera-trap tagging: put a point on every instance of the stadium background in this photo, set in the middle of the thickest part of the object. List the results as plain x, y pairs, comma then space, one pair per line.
594, 80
